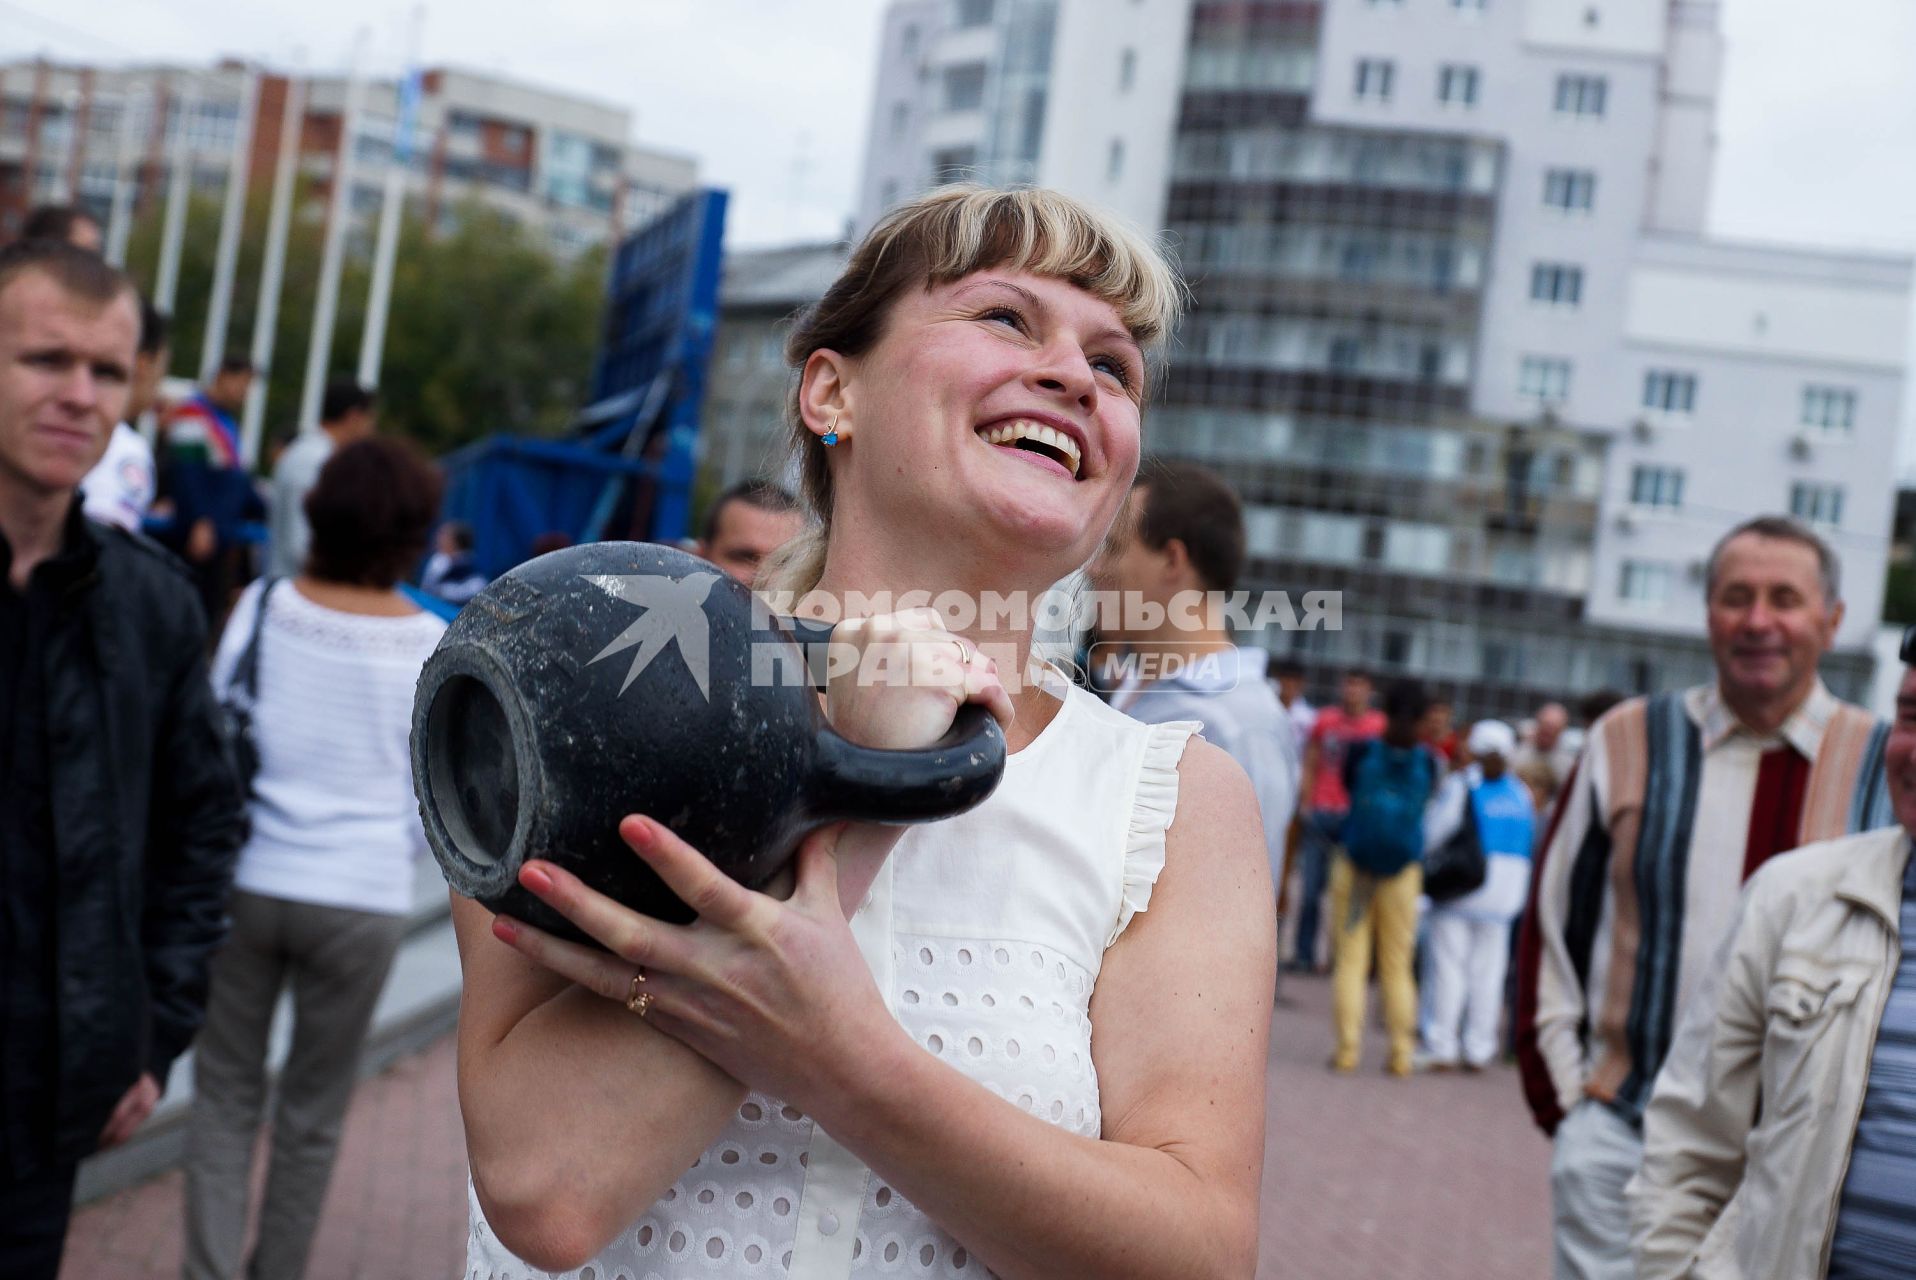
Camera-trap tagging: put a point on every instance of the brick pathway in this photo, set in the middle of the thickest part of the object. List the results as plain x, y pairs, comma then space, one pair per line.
1365, 1177
1368, 1177
397, 1207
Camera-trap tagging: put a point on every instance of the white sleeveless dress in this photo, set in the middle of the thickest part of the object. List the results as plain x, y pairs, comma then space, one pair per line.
985, 933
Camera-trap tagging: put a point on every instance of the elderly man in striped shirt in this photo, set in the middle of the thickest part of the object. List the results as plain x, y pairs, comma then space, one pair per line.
1678, 799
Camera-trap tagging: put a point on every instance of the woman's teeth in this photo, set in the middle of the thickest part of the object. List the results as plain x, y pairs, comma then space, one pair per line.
1050, 438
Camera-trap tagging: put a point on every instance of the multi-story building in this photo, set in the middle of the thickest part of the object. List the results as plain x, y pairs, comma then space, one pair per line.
561, 165
1723, 380
1076, 94
1459, 337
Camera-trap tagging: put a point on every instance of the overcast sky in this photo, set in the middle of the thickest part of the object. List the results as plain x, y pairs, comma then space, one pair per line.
1818, 119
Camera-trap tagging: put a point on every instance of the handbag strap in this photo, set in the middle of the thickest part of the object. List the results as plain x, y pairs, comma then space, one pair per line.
246, 670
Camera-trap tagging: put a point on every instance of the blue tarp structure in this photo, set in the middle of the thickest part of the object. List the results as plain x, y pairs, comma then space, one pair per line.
627, 471
512, 490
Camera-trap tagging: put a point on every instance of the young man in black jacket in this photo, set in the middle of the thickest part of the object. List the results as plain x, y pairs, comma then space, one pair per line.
120, 817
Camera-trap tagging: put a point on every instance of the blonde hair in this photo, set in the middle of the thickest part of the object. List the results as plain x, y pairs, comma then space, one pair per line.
942, 236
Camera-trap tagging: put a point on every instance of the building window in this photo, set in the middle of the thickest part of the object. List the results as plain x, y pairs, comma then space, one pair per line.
1503, 660
1357, 259
1581, 95
1114, 161
908, 43
1127, 70
975, 13
1457, 85
1570, 190
900, 120
1645, 582
965, 87
1556, 284
1829, 411
1374, 541
1545, 378
1374, 77
1345, 355
1656, 487
1666, 391
1817, 504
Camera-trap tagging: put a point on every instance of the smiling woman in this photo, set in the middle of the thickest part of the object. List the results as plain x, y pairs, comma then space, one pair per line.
1025, 1041
969, 244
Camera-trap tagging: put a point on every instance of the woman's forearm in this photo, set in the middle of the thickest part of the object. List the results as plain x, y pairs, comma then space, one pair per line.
579, 1120
1029, 1199
578, 1115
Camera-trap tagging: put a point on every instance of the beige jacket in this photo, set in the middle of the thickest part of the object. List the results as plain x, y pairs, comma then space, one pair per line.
1747, 1138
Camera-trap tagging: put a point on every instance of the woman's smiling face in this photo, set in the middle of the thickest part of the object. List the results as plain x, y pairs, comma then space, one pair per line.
1000, 410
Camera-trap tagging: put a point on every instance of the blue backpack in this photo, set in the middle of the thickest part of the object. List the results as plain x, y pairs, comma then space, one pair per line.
1389, 787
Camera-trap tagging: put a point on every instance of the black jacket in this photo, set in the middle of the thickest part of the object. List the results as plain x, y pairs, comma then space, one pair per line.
148, 819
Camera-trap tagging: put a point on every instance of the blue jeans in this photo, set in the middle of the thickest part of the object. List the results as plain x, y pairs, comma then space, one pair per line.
1318, 840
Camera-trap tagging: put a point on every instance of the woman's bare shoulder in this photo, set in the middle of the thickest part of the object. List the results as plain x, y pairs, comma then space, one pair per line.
1215, 796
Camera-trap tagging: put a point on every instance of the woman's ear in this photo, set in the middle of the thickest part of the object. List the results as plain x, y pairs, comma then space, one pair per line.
825, 394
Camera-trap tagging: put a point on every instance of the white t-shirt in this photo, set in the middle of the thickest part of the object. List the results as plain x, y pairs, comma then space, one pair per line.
119, 490
335, 822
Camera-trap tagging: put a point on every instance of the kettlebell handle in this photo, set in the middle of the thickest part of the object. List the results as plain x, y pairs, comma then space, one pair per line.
872, 784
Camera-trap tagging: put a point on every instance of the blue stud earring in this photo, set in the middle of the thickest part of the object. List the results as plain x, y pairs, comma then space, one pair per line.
830, 438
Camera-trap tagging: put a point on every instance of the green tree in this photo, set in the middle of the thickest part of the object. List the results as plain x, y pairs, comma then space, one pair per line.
488, 332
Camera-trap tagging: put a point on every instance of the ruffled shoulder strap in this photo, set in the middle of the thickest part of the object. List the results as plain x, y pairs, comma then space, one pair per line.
1154, 802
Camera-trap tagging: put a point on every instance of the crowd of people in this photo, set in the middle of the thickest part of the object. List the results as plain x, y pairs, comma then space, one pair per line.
207, 805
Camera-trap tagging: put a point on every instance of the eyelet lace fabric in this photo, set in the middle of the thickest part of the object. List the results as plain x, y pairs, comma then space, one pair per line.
998, 924
290, 615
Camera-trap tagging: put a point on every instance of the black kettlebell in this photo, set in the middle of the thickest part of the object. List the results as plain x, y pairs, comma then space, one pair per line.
627, 677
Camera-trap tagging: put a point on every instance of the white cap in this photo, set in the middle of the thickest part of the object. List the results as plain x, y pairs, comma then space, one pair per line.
1491, 738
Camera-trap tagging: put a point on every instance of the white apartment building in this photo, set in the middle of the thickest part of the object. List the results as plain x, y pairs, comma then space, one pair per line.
1731, 379
1077, 94
1763, 380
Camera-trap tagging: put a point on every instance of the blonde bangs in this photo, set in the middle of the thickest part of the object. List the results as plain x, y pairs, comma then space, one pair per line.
963, 228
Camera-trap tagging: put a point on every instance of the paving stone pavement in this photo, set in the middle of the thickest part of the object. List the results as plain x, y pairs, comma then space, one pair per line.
1365, 1177
396, 1209
1369, 1177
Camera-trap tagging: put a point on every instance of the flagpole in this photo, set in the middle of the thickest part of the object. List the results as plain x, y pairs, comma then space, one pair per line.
273, 270
173, 231
119, 223
232, 225
339, 209
372, 342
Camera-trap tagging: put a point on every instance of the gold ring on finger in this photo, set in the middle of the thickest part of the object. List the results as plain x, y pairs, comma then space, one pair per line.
636, 1000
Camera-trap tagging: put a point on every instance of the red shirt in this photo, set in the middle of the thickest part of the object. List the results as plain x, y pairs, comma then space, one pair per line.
1334, 733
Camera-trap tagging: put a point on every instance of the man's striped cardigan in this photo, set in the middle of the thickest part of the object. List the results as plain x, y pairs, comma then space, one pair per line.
1673, 805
